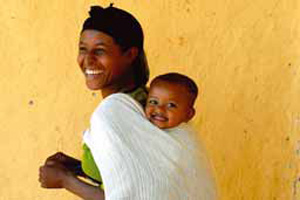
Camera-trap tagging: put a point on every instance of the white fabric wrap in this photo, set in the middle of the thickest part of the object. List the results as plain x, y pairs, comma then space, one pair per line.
139, 161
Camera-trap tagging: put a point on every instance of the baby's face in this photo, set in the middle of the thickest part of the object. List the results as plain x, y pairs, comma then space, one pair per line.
168, 105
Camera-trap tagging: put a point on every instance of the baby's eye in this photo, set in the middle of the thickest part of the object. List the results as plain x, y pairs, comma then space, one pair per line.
171, 105
152, 102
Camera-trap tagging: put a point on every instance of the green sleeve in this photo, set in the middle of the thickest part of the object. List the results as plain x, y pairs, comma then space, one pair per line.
88, 164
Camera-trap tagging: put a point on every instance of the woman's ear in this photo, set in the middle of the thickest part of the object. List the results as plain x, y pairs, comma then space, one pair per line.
132, 53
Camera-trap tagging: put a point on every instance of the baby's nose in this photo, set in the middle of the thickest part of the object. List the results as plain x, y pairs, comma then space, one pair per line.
160, 109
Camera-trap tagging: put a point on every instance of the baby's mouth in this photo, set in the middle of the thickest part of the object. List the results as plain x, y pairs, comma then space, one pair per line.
159, 117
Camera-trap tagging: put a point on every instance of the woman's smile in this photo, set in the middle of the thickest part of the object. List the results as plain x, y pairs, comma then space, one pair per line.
93, 74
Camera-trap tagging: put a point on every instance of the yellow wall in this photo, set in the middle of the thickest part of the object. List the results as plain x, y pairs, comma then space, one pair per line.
244, 54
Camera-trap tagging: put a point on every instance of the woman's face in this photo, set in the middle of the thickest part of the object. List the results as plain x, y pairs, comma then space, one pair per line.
101, 60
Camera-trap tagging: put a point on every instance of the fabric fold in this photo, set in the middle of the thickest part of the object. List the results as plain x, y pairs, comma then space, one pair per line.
139, 161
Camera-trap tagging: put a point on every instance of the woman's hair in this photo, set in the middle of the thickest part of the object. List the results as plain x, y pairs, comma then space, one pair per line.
126, 31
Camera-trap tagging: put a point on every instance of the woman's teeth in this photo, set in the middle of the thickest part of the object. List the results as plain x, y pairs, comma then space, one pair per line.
93, 72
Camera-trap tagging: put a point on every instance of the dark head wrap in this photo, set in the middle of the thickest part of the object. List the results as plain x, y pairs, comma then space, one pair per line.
118, 24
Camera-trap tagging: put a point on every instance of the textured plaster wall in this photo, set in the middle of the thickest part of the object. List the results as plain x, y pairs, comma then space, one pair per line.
244, 55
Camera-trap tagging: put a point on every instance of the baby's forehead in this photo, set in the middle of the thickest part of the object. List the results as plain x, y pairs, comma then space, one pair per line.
168, 84
171, 87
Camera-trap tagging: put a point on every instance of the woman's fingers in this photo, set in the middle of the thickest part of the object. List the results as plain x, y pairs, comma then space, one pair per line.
50, 162
57, 167
59, 157
51, 176
63, 159
41, 177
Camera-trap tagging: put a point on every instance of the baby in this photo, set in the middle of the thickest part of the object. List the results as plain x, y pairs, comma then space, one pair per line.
171, 100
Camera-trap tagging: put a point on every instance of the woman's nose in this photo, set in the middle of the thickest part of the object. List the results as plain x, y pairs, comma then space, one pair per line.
89, 59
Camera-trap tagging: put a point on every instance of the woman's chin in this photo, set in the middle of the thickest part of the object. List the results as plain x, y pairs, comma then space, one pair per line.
93, 85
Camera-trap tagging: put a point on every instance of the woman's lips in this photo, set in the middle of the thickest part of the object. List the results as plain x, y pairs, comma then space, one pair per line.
93, 73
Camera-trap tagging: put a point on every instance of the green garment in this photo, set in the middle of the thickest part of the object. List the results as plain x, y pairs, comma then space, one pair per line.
88, 164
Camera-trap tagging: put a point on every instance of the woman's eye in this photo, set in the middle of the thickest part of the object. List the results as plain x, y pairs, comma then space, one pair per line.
82, 49
172, 105
99, 51
152, 102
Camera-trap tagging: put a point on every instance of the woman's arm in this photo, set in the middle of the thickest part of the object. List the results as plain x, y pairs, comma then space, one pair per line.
55, 175
82, 189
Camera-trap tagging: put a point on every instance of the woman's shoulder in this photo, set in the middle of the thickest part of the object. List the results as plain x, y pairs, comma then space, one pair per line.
118, 98
140, 94
119, 102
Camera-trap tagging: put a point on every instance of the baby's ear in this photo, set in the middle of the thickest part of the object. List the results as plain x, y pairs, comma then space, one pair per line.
191, 113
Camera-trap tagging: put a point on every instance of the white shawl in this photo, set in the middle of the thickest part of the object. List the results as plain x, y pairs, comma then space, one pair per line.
139, 161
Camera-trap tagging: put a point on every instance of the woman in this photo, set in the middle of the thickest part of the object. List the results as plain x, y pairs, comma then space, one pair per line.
112, 58
145, 162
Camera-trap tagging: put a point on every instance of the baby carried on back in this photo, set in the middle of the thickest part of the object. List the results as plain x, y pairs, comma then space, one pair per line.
147, 162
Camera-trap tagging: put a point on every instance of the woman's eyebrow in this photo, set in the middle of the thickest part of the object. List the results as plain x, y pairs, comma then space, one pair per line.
101, 44
97, 44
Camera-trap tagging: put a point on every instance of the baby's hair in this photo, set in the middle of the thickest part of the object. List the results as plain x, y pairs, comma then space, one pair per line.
179, 79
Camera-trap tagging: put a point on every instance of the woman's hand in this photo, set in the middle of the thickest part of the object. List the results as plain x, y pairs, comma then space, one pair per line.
63, 159
68, 162
53, 175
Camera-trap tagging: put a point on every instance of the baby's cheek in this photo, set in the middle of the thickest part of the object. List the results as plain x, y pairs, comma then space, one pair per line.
174, 118
147, 112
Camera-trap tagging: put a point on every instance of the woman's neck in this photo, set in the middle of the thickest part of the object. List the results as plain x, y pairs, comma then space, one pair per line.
121, 87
